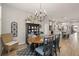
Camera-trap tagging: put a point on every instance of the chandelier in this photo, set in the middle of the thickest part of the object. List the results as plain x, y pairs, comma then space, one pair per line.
38, 15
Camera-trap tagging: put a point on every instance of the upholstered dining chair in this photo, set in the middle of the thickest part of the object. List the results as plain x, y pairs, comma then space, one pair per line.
45, 49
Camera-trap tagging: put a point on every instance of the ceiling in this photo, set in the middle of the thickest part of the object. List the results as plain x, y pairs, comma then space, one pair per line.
55, 10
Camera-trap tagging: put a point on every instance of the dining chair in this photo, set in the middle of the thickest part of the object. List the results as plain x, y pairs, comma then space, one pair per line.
45, 49
55, 45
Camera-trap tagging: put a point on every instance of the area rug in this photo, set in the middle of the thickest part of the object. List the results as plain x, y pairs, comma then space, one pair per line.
25, 52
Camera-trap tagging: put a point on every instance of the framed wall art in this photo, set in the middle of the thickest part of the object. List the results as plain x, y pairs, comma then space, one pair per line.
14, 29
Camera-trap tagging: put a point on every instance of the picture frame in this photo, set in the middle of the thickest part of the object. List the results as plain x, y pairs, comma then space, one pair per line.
14, 29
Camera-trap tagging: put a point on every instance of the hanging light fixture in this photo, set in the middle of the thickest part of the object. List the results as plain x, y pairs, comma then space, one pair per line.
38, 15
41, 14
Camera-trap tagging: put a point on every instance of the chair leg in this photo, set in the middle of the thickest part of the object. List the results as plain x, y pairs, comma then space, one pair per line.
8, 52
59, 49
55, 52
36, 53
9, 49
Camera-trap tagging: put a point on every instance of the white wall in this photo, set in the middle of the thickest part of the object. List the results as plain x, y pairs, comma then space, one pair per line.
10, 14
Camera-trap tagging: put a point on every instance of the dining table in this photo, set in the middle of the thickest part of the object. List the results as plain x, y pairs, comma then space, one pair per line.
35, 41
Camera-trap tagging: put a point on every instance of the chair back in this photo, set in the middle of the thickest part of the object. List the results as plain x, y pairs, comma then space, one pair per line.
47, 46
6, 37
57, 40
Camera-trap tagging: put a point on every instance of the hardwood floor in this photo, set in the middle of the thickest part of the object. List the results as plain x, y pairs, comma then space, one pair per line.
67, 49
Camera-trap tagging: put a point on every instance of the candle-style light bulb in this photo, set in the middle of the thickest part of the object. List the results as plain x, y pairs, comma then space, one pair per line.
35, 12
